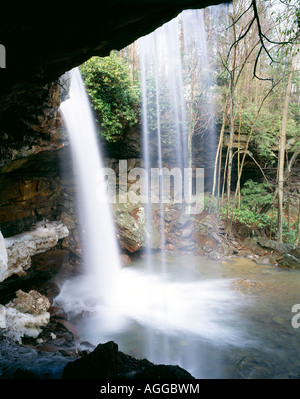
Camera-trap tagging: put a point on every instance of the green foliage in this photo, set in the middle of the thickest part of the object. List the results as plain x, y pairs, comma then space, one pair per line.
250, 213
256, 195
263, 221
210, 203
288, 233
265, 133
251, 218
114, 96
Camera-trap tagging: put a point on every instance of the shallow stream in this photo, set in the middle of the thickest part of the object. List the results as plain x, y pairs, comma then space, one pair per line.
229, 319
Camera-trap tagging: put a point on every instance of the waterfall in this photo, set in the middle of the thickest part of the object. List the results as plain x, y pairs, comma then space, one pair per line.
100, 251
167, 309
162, 91
163, 101
199, 78
167, 57
178, 97
175, 79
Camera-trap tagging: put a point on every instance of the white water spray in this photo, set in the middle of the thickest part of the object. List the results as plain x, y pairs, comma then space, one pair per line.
100, 251
164, 122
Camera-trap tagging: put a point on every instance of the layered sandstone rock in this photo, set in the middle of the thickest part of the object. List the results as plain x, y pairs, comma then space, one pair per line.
16, 251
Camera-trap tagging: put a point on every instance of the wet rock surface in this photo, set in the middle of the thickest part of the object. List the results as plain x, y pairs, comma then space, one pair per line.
107, 362
200, 234
273, 252
289, 261
32, 302
31, 190
103, 362
43, 275
20, 361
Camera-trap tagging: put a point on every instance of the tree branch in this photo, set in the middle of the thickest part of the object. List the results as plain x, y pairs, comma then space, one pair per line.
262, 38
239, 17
241, 36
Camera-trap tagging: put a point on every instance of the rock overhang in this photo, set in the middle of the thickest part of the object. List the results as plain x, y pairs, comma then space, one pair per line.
43, 42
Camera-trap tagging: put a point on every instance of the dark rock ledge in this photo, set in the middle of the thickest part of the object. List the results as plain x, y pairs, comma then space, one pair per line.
104, 362
272, 252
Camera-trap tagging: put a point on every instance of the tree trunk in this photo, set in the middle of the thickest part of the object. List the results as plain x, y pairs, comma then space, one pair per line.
281, 154
232, 127
218, 158
298, 225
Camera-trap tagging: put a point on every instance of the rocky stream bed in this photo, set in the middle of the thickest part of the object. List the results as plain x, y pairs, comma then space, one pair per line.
39, 340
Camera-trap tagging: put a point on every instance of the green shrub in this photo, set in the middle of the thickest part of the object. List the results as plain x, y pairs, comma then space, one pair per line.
256, 195
114, 96
251, 218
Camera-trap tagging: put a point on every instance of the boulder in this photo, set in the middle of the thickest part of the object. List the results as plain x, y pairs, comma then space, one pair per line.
185, 244
182, 220
203, 239
206, 235
276, 246
265, 260
251, 244
107, 362
295, 251
132, 230
21, 361
287, 255
187, 232
2, 316
289, 261
32, 302
101, 363
25, 315
169, 214
3, 256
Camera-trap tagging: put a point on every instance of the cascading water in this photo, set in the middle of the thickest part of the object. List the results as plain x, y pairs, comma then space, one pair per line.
201, 85
160, 65
162, 92
157, 312
100, 251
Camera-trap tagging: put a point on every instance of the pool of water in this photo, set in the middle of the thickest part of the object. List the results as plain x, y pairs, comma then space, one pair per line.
229, 319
